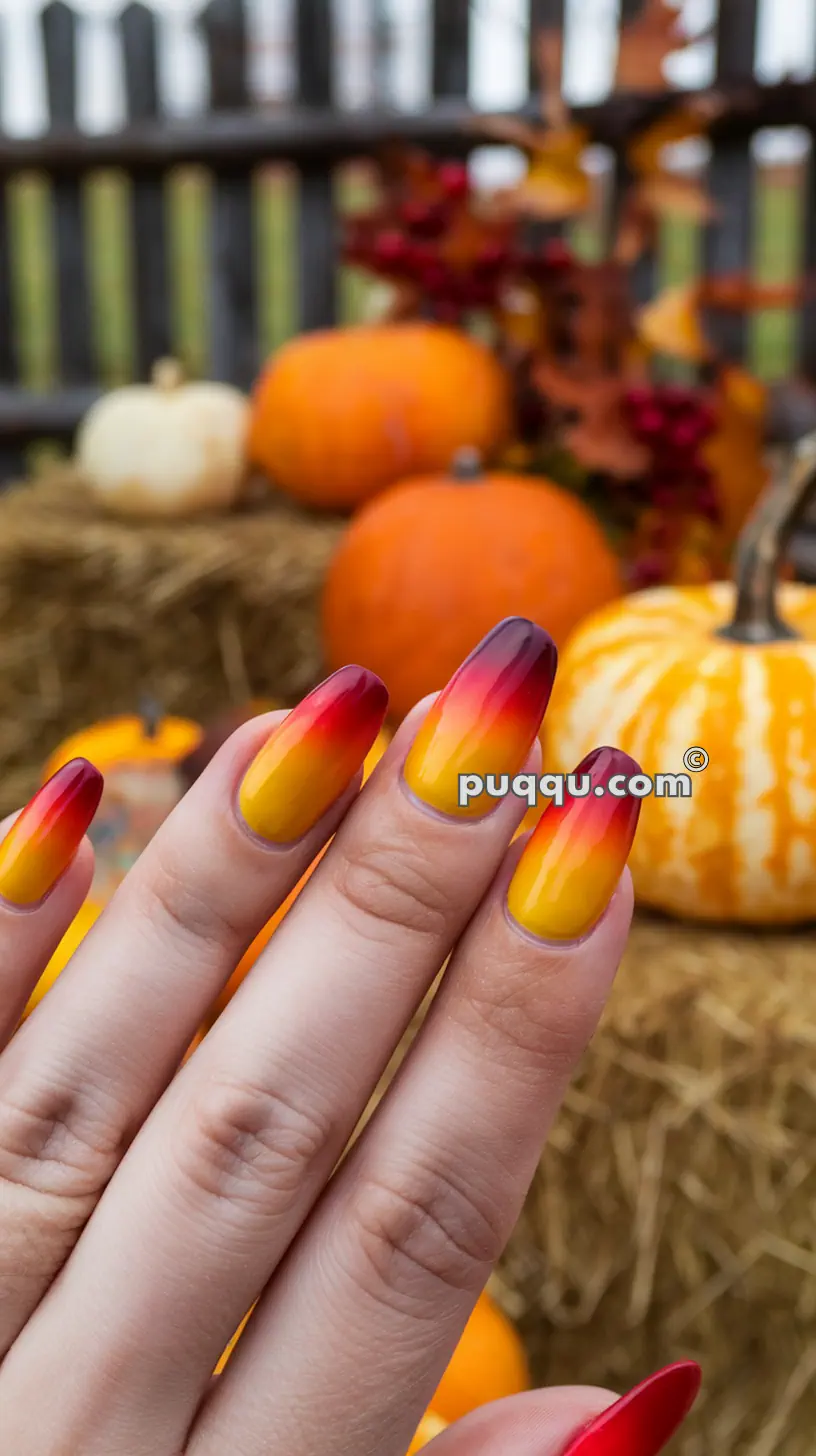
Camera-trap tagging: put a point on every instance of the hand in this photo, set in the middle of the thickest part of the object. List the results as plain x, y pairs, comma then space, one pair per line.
144, 1209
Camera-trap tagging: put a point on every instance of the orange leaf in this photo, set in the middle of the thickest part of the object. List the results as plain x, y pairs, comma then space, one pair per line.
468, 234
685, 123
645, 43
735, 452
556, 184
670, 194
601, 438
671, 325
738, 292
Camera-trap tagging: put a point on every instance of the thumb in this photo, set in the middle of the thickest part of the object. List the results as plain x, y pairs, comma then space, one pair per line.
578, 1420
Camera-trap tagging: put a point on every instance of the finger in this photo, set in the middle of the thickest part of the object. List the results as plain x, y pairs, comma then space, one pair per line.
46, 867
579, 1420
80, 1077
243, 1143
407, 1235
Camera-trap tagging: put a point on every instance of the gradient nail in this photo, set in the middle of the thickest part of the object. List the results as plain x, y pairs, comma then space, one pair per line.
569, 869
486, 720
644, 1421
44, 838
313, 755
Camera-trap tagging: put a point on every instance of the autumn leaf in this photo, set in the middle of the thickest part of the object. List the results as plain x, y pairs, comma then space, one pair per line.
671, 324
739, 293
556, 185
644, 152
645, 45
734, 453
661, 192
469, 234
600, 439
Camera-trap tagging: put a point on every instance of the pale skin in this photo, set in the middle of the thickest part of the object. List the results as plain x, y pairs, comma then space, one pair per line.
142, 1213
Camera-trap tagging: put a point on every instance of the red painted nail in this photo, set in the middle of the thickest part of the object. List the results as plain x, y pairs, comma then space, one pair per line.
641, 1422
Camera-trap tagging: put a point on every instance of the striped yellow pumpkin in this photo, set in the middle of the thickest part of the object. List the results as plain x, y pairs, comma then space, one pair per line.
651, 675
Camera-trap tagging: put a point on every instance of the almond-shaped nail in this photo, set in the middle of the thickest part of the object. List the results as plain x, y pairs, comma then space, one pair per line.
313, 755
486, 720
44, 838
569, 869
644, 1421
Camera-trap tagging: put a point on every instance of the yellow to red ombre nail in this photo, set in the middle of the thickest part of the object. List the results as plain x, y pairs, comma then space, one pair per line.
44, 838
313, 755
487, 718
569, 869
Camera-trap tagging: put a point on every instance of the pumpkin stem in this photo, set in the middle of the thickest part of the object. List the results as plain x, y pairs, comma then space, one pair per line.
151, 716
166, 374
467, 464
761, 549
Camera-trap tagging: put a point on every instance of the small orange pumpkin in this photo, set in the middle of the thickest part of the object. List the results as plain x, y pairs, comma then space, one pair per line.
426, 569
431, 1425
129, 740
488, 1364
339, 414
140, 756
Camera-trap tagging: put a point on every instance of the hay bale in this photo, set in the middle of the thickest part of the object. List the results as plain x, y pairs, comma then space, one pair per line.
674, 1211
95, 612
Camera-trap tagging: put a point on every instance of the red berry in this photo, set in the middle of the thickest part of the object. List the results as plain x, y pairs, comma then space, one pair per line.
649, 570
664, 497
454, 180
390, 248
425, 219
556, 254
675, 399
446, 312
650, 421
706, 504
434, 277
492, 258
639, 398
684, 435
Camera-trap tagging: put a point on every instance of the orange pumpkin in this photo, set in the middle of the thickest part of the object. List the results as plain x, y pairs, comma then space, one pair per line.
339, 414
128, 741
488, 1364
424, 571
263, 937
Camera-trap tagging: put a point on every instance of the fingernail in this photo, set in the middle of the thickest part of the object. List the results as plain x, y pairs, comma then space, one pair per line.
485, 721
313, 755
43, 840
568, 872
642, 1422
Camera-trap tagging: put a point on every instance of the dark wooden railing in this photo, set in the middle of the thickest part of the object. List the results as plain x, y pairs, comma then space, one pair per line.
235, 139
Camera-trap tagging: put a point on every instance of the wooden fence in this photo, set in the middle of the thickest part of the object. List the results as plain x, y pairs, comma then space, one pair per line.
233, 140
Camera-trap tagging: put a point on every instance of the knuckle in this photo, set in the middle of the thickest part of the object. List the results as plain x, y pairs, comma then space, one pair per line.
250, 1147
186, 908
519, 1019
421, 1237
61, 1141
393, 884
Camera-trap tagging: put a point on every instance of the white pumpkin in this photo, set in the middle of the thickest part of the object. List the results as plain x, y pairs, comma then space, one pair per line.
168, 448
